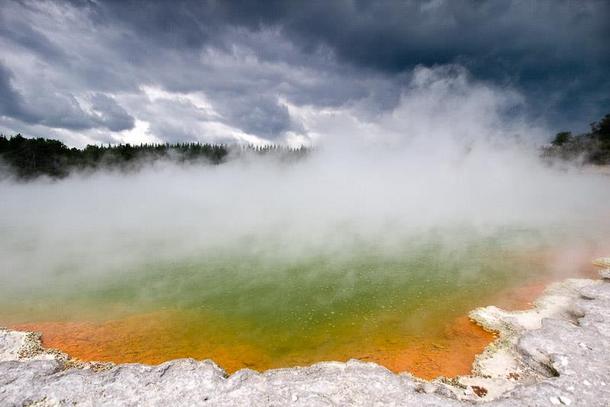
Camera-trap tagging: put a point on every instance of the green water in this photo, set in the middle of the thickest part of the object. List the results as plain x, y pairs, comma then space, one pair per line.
285, 295
285, 306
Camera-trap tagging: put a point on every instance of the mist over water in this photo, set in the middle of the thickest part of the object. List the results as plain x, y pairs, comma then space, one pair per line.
413, 217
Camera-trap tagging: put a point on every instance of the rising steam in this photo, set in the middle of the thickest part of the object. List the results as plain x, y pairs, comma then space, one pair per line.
453, 155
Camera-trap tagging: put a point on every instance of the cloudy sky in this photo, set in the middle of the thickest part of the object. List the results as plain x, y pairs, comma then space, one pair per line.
218, 71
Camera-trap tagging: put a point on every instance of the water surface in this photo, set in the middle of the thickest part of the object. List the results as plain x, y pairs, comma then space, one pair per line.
403, 307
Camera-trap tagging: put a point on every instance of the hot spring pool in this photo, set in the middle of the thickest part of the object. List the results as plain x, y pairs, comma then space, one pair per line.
404, 308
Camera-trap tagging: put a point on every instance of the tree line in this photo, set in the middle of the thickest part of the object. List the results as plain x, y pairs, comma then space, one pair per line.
28, 158
592, 147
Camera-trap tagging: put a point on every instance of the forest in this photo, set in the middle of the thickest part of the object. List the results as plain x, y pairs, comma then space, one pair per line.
28, 158
592, 147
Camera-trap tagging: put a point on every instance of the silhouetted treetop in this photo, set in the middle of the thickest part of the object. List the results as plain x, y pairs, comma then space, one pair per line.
28, 158
590, 148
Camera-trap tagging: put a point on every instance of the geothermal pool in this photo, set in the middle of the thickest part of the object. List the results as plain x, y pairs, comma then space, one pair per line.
265, 265
245, 306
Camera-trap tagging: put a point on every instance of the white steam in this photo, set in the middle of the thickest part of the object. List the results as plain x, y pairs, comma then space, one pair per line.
453, 155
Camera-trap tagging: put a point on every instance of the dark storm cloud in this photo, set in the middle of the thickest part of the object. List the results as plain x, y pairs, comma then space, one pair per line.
557, 51
258, 115
110, 114
60, 110
248, 57
29, 38
10, 101
392, 35
49, 109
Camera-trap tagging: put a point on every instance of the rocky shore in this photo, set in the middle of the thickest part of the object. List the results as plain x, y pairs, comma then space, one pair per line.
557, 353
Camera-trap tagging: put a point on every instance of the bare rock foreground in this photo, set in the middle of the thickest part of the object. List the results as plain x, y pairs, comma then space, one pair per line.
557, 353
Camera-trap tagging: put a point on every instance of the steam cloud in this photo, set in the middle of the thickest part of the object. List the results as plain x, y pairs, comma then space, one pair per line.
455, 154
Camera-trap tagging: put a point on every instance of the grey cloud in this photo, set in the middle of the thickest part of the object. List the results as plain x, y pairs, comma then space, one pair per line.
110, 114
182, 121
29, 38
532, 45
10, 100
246, 55
390, 35
48, 108
58, 110
261, 115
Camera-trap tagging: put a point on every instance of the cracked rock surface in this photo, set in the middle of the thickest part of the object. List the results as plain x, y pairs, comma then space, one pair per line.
558, 353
